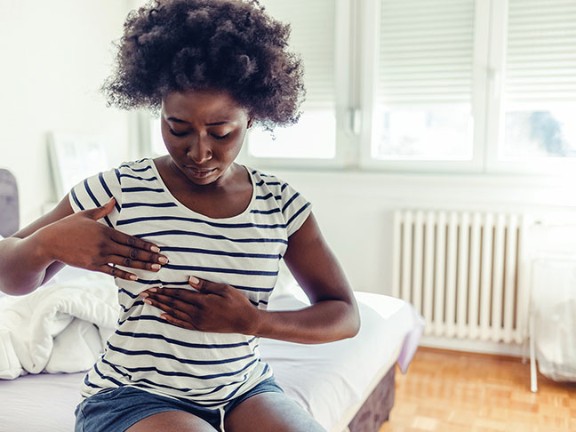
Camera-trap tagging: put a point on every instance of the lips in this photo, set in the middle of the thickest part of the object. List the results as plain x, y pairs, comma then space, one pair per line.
200, 172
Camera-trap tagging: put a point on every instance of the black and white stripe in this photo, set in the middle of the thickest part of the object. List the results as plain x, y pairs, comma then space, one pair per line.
243, 251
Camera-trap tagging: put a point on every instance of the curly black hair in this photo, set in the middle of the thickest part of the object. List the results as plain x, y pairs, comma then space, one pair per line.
231, 45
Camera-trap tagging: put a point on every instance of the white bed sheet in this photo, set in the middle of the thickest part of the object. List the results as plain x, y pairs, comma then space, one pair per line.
39, 403
339, 376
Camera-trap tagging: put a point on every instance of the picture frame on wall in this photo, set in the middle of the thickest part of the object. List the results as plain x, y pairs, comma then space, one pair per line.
73, 157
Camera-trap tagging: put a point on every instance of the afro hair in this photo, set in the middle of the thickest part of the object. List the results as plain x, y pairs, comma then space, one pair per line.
229, 45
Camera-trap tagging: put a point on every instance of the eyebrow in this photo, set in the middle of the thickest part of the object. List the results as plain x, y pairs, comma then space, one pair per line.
218, 123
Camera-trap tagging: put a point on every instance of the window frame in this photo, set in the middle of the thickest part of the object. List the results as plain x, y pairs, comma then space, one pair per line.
495, 109
371, 18
343, 75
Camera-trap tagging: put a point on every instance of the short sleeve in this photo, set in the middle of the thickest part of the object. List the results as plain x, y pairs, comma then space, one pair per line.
295, 208
96, 191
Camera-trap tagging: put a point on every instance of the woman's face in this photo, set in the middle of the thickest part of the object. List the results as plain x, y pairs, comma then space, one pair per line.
203, 131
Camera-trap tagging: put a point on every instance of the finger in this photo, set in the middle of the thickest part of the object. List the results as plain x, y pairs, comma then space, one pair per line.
149, 291
207, 287
133, 242
168, 302
194, 282
133, 264
187, 296
134, 257
181, 293
175, 308
114, 271
178, 322
102, 211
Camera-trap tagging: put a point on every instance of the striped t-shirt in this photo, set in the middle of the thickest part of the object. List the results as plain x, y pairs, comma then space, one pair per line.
244, 251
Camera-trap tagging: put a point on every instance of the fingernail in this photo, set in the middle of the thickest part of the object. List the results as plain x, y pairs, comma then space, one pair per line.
147, 301
163, 260
133, 277
153, 290
143, 294
155, 249
194, 280
156, 266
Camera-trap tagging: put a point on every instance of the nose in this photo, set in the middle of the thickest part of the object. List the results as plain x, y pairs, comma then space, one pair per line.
199, 150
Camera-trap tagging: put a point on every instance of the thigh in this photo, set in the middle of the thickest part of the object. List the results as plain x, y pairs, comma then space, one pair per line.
270, 411
135, 410
173, 421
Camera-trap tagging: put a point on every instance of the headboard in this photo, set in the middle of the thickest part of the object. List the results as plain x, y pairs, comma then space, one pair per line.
9, 205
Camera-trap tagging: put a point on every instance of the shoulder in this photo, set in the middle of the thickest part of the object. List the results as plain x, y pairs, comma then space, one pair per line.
104, 185
268, 181
136, 167
294, 207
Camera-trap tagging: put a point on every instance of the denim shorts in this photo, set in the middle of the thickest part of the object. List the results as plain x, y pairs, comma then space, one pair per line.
115, 410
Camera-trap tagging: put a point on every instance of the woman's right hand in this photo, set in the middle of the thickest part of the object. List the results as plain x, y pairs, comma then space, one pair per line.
79, 240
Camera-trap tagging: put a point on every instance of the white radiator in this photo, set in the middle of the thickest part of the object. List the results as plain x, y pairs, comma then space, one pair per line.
463, 271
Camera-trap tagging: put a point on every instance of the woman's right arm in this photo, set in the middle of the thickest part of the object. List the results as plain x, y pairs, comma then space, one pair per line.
34, 254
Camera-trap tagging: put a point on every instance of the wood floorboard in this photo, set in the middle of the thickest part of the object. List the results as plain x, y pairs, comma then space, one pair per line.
461, 392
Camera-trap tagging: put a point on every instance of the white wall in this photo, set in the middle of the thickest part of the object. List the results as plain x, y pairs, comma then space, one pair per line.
55, 56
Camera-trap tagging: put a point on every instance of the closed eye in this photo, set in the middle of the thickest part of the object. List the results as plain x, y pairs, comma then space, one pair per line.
183, 134
221, 137
177, 134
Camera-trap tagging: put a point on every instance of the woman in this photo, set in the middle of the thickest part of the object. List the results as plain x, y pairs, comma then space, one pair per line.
193, 239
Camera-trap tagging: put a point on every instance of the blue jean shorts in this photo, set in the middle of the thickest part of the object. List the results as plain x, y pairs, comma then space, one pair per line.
115, 410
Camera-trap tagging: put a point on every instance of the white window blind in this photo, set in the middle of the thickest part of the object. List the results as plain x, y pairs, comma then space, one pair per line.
313, 38
541, 51
539, 94
423, 103
426, 52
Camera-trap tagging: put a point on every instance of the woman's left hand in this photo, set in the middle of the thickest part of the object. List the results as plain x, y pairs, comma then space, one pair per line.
213, 307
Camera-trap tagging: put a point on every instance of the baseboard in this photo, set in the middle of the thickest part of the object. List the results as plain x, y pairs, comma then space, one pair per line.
476, 346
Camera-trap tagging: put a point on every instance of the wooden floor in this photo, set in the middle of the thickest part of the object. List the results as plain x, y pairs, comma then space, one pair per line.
458, 392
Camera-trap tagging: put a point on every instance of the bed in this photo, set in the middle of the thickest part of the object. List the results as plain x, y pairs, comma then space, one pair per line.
50, 337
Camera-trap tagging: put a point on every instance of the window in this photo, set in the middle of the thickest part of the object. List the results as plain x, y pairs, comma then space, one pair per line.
539, 90
424, 85
314, 139
427, 85
471, 85
422, 107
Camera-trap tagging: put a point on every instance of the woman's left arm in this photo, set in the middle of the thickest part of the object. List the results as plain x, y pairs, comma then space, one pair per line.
333, 313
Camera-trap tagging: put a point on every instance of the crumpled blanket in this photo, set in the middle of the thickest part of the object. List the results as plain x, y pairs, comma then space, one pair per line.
61, 327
